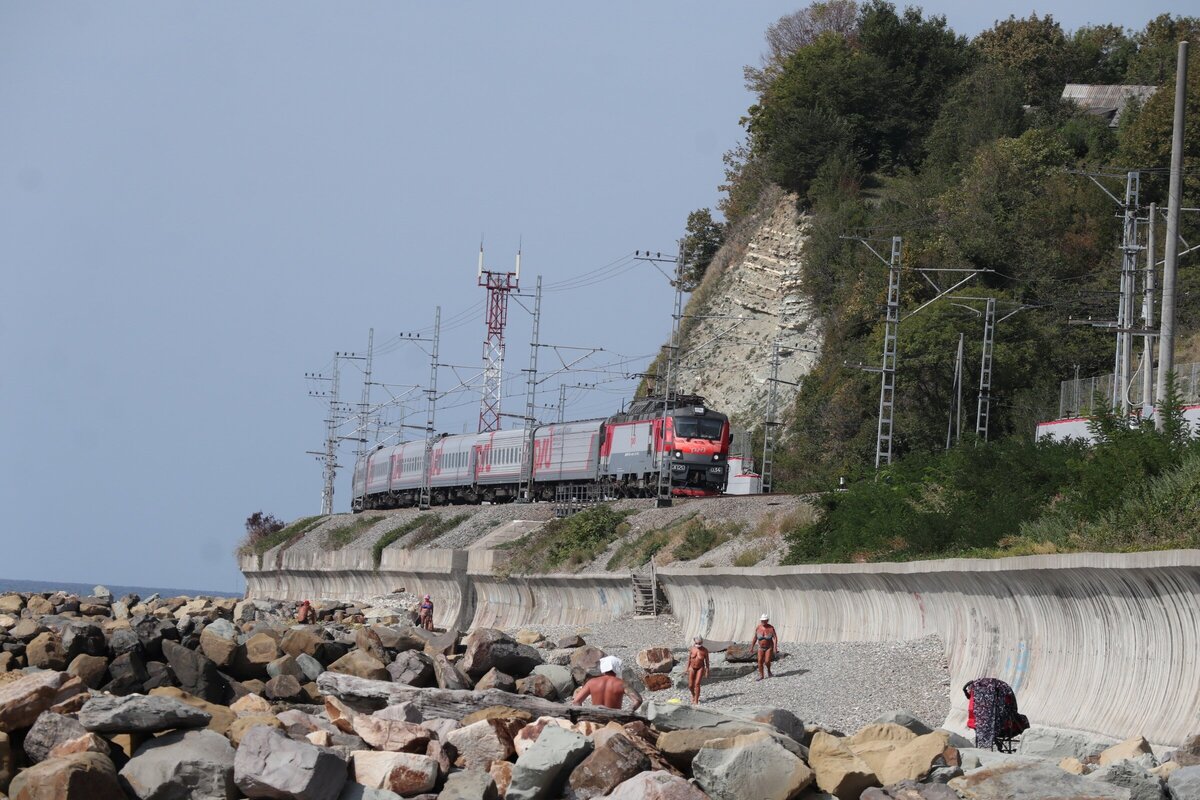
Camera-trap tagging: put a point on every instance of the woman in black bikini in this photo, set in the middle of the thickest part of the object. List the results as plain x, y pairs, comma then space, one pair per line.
766, 642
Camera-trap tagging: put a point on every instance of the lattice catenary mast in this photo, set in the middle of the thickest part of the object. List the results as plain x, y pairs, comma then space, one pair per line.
498, 285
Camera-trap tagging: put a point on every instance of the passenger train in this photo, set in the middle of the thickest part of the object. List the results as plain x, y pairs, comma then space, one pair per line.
621, 454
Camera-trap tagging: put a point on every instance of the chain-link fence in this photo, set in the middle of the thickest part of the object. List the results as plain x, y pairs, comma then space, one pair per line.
1078, 397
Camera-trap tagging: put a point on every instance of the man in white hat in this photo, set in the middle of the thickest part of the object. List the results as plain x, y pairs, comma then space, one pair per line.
766, 643
607, 689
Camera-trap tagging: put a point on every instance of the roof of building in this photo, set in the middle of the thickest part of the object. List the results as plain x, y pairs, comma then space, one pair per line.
1106, 101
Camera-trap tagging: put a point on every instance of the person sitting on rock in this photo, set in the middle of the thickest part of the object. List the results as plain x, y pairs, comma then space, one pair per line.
697, 666
766, 643
607, 689
425, 611
305, 614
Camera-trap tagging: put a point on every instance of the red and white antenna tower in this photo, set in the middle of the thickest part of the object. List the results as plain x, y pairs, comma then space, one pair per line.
498, 285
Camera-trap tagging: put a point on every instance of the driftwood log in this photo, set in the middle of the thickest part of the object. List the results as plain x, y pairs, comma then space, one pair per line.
457, 703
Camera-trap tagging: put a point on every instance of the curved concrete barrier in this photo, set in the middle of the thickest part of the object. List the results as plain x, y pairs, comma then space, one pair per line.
1099, 642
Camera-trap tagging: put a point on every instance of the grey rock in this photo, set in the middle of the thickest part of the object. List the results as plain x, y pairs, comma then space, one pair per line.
1037, 781
120, 610
541, 770
101, 592
196, 673
124, 640
413, 668
356, 791
288, 665
308, 665
904, 719
974, 758
83, 638
196, 765
783, 720
672, 717
609, 765
495, 679
560, 657
471, 784
400, 712
718, 673
1184, 783
487, 648
564, 684
127, 674
269, 764
749, 766
1130, 775
1058, 743
449, 676
49, 731
139, 714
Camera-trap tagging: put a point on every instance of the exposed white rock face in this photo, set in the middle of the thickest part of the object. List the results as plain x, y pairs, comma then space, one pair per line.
761, 281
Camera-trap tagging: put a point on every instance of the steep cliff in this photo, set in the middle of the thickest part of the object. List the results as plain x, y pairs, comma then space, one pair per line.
752, 293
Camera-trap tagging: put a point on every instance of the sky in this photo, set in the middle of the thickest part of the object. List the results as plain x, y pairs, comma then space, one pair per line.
202, 202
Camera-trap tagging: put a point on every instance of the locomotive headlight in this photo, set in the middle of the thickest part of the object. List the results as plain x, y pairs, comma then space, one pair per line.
679, 454
716, 456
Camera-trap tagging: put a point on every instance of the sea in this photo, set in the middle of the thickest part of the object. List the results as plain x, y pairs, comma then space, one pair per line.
118, 590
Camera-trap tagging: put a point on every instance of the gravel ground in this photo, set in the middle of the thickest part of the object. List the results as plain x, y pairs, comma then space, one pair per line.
841, 685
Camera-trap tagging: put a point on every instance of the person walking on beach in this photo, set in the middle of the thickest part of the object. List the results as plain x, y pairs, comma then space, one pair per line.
426, 613
697, 666
766, 643
606, 689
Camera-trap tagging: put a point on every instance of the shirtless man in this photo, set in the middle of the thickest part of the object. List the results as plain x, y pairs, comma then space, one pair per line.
697, 666
766, 643
607, 689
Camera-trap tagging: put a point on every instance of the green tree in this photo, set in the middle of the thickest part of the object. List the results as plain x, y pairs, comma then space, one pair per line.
1153, 64
983, 106
1099, 54
796, 30
699, 246
1034, 48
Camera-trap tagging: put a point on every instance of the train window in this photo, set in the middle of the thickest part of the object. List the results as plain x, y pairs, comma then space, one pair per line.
699, 428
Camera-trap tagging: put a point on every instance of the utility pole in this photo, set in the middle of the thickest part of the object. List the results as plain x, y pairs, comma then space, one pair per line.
525, 490
887, 371
430, 413
664, 470
562, 402
498, 285
954, 426
364, 406
1148, 317
1122, 373
1166, 341
333, 420
984, 408
769, 423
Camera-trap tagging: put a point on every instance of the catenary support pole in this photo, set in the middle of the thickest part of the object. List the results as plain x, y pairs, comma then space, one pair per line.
887, 380
1166, 340
431, 413
1148, 316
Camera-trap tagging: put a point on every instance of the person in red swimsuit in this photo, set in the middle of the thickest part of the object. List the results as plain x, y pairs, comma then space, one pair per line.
766, 643
697, 666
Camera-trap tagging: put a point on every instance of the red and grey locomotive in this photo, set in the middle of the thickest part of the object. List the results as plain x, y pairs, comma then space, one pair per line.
621, 454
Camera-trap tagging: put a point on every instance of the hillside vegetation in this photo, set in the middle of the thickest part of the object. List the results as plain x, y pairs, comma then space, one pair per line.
886, 122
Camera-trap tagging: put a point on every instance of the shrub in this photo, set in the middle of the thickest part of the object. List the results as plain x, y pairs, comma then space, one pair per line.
748, 558
568, 543
259, 543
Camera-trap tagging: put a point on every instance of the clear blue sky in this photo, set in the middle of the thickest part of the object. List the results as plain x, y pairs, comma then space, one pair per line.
200, 202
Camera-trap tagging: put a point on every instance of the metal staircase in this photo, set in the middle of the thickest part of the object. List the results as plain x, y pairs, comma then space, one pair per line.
648, 600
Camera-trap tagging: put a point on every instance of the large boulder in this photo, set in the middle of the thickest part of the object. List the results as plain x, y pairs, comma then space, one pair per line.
83, 776
656, 659
1130, 748
92, 670
905, 719
222, 716
139, 714
48, 732
219, 642
470, 784
495, 679
82, 638
399, 638
1130, 775
786, 722
538, 686
413, 668
1055, 744
284, 688
541, 770
449, 676
480, 743
487, 648
197, 765
197, 674
390, 734
258, 651
916, 758
8, 761
368, 641
242, 725
269, 764
754, 765
1032, 781
680, 747
609, 765
1184, 783
585, 663
838, 770
361, 665
46, 652
402, 773
658, 785
564, 684
22, 701
127, 674
11, 603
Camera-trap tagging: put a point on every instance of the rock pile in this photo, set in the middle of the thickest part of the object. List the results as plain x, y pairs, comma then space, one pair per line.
221, 699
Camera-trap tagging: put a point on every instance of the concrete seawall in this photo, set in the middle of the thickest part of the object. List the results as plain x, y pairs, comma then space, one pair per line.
1099, 642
